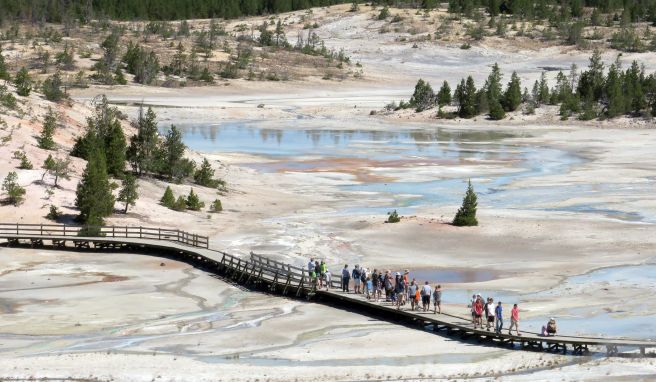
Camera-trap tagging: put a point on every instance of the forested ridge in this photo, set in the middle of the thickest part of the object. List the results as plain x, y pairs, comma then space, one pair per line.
61, 10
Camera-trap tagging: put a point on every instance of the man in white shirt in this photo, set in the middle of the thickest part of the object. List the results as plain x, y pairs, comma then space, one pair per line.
425, 296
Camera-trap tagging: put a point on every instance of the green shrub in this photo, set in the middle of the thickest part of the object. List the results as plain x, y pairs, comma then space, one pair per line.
193, 202
53, 213
25, 163
216, 206
52, 88
384, 13
180, 204
15, 193
393, 217
23, 82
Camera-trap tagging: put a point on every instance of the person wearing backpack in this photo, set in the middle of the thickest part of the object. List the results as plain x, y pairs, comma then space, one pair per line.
346, 278
412, 292
317, 273
356, 279
389, 287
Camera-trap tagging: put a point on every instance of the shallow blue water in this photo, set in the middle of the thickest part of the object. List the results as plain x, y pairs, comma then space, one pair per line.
396, 161
626, 318
299, 148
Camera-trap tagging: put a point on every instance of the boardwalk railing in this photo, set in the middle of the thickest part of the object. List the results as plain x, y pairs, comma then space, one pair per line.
263, 273
64, 230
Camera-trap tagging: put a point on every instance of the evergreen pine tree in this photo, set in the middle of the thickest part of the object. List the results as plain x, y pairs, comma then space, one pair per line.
58, 168
52, 88
128, 193
493, 85
513, 96
173, 148
23, 82
15, 193
496, 111
423, 97
466, 215
543, 93
444, 95
47, 165
204, 176
4, 72
467, 98
613, 93
45, 140
143, 145
168, 199
94, 196
115, 149
193, 202
180, 204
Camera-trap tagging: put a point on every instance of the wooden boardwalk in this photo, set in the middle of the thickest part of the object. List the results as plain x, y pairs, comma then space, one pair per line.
261, 273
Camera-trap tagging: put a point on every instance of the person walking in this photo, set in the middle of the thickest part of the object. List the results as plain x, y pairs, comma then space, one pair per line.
412, 292
472, 306
381, 285
346, 278
400, 292
389, 287
478, 312
310, 265
437, 300
426, 295
356, 279
327, 277
322, 276
514, 320
369, 287
375, 284
317, 272
489, 313
498, 314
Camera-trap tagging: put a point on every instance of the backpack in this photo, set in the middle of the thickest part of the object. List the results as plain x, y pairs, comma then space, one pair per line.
388, 283
485, 309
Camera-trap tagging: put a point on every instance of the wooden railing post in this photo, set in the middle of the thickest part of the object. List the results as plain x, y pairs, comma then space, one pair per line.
113, 233
17, 233
64, 230
41, 232
140, 232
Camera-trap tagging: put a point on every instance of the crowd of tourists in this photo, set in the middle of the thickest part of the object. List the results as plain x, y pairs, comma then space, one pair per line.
399, 289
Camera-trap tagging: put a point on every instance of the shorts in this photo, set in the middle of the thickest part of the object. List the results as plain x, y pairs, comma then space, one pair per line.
356, 282
425, 299
490, 319
438, 302
477, 315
